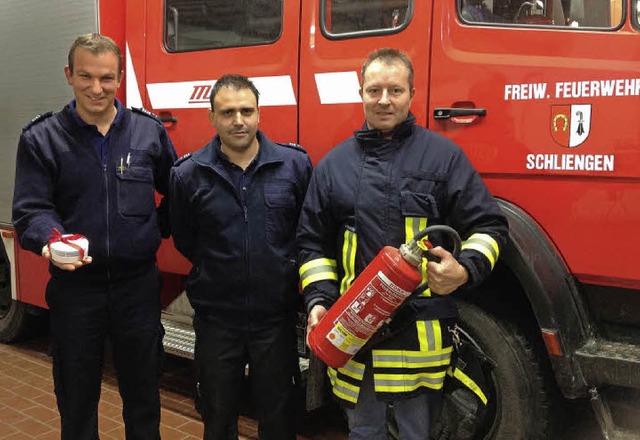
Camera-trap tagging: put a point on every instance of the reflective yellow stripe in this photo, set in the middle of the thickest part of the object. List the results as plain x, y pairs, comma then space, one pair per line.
423, 271
353, 369
318, 270
422, 335
413, 225
318, 262
484, 244
319, 277
348, 259
437, 333
396, 383
342, 389
469, 383
429, 335
411, 359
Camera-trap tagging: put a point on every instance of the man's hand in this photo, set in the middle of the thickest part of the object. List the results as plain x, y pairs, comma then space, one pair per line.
315, 315
447, 275
46, 253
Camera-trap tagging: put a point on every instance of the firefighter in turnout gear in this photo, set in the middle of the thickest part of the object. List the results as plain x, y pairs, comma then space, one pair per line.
380, 187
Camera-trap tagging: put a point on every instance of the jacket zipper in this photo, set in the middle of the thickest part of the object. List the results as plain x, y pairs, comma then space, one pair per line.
106, 185
240, 196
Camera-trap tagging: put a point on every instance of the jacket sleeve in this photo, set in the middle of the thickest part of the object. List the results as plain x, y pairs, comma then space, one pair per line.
165, 160
304, 170
476, 215
316, 243
34, 214
183, 227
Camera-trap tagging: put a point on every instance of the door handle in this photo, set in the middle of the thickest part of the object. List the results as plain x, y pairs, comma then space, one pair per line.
168, 119
447, 113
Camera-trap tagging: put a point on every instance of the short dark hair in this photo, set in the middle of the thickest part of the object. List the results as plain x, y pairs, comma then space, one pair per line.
234, 81
96, 44
389, 56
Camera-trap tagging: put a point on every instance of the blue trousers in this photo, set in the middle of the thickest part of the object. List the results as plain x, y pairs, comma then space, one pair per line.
368, 420
83, 316
221, 356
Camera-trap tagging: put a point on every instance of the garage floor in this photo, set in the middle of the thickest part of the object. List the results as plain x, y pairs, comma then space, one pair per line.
28, 408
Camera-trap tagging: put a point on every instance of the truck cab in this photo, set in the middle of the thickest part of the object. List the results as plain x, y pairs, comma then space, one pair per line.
542, 95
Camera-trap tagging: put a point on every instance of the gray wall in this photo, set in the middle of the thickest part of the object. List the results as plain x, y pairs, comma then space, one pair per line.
35, 36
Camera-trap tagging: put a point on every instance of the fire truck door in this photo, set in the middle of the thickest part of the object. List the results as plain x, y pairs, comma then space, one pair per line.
177, 49
336, 37
559, 83
191, 43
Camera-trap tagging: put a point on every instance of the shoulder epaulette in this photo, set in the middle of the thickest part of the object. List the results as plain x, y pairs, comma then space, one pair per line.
292, 145
147, 113
181, 159
37, 119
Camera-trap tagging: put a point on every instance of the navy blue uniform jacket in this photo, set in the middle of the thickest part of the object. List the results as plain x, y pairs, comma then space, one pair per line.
62, 183
241, 245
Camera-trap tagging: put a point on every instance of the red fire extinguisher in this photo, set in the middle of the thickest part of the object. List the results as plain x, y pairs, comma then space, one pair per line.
372, 299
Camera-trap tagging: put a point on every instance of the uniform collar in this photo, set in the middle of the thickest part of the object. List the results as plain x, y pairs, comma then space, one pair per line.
371, 139
212, 155
80, 122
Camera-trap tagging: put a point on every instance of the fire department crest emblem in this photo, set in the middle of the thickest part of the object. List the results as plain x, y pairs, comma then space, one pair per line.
570, 124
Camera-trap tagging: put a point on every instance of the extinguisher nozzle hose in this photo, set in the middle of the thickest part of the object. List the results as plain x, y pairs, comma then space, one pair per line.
413, 253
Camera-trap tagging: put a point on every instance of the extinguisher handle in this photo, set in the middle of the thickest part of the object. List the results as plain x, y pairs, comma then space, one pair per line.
455, 239
447, 230
430, 257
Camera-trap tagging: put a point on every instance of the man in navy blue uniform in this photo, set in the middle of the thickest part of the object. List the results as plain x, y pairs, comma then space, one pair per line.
234, 209
91, 169
381, 187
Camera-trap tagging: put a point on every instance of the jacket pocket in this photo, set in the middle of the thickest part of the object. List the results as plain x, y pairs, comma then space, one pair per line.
135, 192
281, 218
422, 194
418, 205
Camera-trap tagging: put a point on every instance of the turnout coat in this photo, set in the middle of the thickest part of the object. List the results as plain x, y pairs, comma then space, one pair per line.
369, 192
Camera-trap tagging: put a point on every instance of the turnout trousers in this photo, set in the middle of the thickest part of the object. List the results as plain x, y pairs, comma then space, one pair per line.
368, 419
84, 315
221, 355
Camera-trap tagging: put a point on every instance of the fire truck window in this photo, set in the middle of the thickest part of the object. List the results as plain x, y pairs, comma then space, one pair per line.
210, 24
343, 18
604, 14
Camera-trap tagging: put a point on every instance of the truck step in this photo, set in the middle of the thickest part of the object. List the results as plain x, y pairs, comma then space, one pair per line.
611, 363
614, 416
179, 338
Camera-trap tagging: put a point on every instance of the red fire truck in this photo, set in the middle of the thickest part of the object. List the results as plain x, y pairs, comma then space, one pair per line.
543, 96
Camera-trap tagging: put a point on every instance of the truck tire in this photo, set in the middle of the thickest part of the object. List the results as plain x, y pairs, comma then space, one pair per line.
13, 320
14, 316
518, 406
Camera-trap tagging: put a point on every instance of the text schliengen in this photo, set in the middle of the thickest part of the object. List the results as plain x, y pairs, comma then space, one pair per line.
571, 162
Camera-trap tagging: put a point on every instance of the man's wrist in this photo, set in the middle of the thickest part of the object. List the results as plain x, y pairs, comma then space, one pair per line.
317, 302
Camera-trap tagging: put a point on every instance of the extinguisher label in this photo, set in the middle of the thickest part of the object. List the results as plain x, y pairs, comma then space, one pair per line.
344, 340
366, 313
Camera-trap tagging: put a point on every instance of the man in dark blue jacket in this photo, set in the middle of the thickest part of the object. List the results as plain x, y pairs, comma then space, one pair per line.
91, 169
234, 210
381, 187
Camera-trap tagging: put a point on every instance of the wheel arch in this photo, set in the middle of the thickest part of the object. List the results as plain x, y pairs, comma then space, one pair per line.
551, 293
17, 318
8, 256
